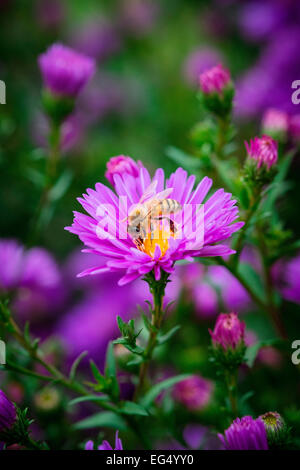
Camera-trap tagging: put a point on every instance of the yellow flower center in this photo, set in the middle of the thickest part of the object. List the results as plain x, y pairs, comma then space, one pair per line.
159, 237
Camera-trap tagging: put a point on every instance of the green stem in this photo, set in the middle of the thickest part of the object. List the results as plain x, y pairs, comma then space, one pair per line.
51, 170
157, 288
256, 198
272, 309
231, 382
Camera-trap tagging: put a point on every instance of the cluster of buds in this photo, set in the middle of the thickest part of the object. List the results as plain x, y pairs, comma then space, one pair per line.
228, 344
217, 90
260, 167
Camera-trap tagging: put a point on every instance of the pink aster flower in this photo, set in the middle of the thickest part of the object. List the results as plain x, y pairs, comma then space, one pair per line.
214, 80
264, 150
245, 434
194, 392
106, 445
229, 331
65, 71
104, 230
120, 165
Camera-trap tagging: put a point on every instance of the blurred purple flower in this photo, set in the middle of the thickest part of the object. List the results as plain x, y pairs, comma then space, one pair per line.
8, 414
233, 294
97, 38
195, 392
50, 13
65, 72
138, 17
72, 132
294, 127
245, 434
105, 445
198, 61
33, 276
275, 122
260, 19
286, 276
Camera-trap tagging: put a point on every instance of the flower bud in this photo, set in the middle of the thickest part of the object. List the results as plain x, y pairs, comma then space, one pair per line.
273, 421
217, 90
264, 150
194, 392
8, 414
229, 331
275, 123
121, 165
65, 72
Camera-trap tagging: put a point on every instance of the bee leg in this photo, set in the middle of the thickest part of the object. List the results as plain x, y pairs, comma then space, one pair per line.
173, 228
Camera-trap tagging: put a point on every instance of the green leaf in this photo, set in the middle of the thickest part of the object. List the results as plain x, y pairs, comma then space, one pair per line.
131, 408
163, 338
105, 419
253, 279
110, 370
93, 398
97, 374
150, 396
183, 159
76, 364
61, 186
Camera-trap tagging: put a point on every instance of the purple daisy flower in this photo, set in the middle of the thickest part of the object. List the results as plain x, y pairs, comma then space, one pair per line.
106, 445
65, 71
8, 415
105, 230
245, 434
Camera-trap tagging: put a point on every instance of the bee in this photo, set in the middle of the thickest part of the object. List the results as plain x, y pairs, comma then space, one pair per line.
150, 211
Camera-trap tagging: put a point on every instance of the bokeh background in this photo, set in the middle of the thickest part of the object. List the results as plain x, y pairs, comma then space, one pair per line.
141, 102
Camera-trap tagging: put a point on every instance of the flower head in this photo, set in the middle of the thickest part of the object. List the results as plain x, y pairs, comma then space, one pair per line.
245, 434
120, 165
8, 414
65, 71
215, 80
273, 421
194, 392
156, 247
106, 445
229, 331
264, 150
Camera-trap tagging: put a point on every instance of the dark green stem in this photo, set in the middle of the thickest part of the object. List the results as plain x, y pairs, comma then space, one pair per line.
157, 289
231, 382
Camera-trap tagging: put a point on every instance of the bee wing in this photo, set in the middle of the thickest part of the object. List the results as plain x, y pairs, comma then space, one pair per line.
164, 194
149, 192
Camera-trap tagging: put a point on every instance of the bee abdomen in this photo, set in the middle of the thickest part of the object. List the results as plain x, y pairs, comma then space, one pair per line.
168, 206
